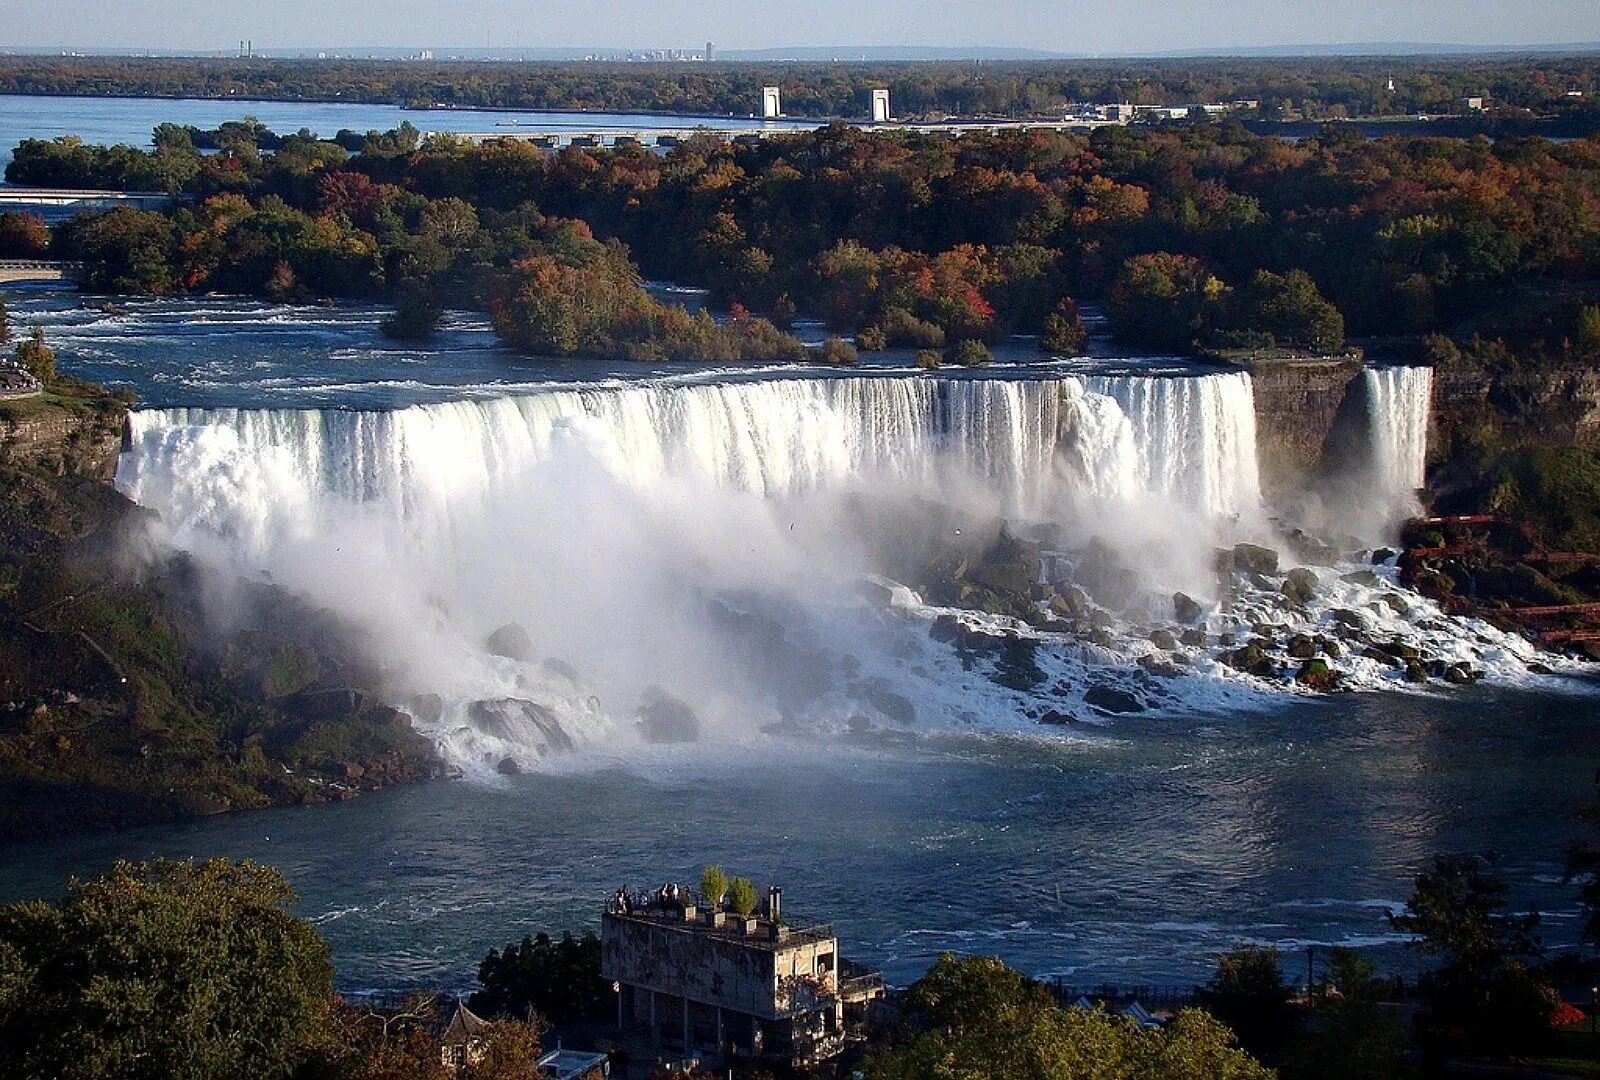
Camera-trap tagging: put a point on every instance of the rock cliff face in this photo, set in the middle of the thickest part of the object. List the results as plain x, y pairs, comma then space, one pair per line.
1552, 407
70, 437
1304, 410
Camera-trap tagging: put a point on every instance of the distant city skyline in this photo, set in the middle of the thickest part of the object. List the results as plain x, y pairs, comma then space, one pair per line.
1056, 26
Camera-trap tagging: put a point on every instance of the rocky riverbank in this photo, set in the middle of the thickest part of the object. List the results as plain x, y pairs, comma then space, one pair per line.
122, 701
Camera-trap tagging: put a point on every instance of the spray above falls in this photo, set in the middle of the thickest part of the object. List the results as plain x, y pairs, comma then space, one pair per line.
677, 545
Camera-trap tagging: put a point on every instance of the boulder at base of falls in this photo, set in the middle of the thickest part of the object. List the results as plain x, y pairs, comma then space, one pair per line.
1252, 659
1300, 585
1365, 578
893, 706
1311, 549
1163, 640
1104, 575
665, 719
1108, 699
1248, 559
1185, 608
1009, 566
513, 642
1302, 647
1317, 675
1461, 674
508, 767
524, 723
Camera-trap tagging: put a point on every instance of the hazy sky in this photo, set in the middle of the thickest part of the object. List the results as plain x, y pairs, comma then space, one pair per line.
1076, 26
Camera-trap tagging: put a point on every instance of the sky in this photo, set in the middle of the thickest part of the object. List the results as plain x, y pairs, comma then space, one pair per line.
1067, 26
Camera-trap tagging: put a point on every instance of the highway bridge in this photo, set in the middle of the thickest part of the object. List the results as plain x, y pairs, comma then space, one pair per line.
12, 196
564, 135
39, 270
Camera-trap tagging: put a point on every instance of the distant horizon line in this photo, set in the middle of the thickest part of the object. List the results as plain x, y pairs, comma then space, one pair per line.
813, 53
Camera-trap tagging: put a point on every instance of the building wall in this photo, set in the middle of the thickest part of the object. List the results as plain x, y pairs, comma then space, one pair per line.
712, 969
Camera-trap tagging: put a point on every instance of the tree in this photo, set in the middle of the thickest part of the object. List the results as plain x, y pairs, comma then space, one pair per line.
558, 980
1349, 1036
5, 323
416, 313
35, 357
1291, 310
968, 353
976, 1018
713, 885
742, 897
1483, 986
163, 969
1165, 301
1248, 993
23, 236
1063, 331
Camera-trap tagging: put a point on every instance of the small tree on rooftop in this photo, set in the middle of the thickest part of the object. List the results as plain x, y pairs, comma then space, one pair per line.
742, 897
713, 884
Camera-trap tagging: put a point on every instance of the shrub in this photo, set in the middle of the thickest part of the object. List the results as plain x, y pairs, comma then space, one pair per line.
836, 350
928, 359
872, 339
968, 353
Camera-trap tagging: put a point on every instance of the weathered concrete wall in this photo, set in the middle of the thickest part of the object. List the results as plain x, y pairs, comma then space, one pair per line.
716, 969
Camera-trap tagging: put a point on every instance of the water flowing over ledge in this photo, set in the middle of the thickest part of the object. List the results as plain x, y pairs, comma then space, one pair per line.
1190, 440
696, 543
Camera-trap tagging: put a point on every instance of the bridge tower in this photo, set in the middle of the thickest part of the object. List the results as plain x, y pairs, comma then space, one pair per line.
771, 106
880, 106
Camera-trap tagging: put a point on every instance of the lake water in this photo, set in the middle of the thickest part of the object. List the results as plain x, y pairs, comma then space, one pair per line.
1130, 851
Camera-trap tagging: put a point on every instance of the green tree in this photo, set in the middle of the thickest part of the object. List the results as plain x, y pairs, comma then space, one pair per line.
5, 323
1165, 301
713, 885
968, 353
742, 897
1248, 994
558, 980
1291, 310
1063, 331
1483, 985
1349, 1035
35, 357
977, 1019
416, 313
161, 970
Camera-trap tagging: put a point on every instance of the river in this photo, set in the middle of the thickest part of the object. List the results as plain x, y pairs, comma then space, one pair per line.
1127, 849
131, 120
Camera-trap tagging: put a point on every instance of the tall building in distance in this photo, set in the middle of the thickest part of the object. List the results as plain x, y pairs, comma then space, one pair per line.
771, 105
711, 51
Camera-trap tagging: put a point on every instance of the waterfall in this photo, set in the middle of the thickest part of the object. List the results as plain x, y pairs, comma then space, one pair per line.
1031, 442
1398, 401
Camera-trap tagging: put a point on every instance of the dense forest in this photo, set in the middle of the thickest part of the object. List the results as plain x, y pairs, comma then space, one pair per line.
1203, 237
1285, 87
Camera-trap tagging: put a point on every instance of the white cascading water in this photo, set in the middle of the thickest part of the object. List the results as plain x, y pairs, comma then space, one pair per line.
1399, 401
1191, 440
601, 517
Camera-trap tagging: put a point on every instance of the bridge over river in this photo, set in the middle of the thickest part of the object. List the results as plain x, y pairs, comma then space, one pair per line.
81, 199
39, 270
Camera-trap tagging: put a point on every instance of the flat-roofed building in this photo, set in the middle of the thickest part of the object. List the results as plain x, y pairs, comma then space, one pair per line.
716, 985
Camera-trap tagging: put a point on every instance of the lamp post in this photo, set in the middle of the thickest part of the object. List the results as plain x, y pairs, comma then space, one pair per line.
1594, 1006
